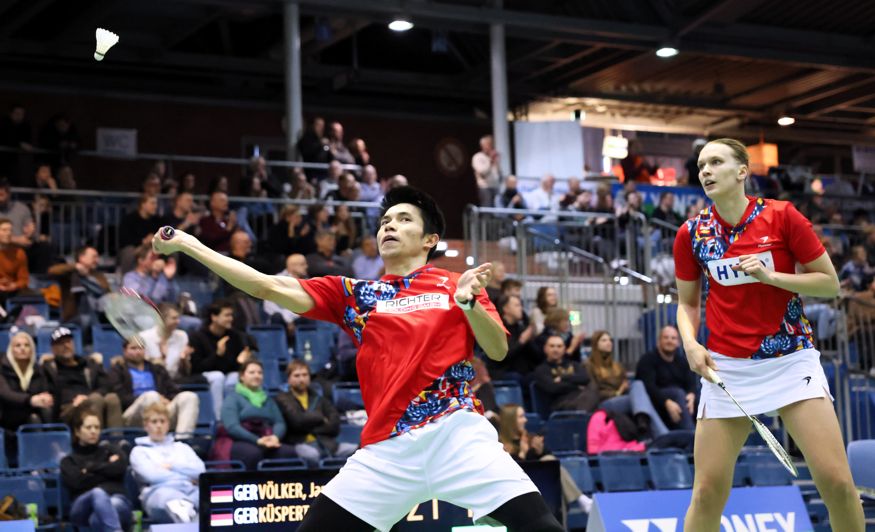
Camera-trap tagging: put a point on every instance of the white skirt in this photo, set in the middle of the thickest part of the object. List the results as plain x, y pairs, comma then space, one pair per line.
763, 386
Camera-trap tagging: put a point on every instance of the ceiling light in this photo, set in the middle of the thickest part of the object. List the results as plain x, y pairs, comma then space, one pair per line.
667, 51
786, 121
400, 24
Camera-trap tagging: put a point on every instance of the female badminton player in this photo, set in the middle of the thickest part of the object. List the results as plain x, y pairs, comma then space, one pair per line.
415, 328
760, 341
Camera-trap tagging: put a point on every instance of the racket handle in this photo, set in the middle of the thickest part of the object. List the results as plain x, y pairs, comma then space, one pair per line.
167, 232
713, 377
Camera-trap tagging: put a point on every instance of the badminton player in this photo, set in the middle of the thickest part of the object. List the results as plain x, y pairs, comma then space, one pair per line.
415, 328
760, 340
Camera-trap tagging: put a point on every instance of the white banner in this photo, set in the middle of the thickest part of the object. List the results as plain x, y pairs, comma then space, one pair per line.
864, 159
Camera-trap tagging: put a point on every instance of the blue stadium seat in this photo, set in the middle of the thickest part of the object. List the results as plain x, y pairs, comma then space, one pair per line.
5, 335
534, 423
622, 471
44, 339
107, 341
4, 463
122, 437
579, 469
764, 469
347, 396
200, 290
332, 463
508, 392
272, 341
540, 401
861, 457
314, 347
273, 376
288, 464
669, 469
42, 446
566, 431
26, 489
224, 465
350, 433
739, 475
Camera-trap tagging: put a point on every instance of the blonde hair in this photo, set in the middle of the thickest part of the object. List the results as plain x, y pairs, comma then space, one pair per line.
155, 409
739, 151
29, 341
508, 431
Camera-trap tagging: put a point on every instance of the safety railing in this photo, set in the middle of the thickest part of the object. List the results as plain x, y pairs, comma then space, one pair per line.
855, 328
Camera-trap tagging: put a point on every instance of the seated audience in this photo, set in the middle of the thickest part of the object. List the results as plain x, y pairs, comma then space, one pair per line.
136, 229
253, 420
169, 347
312, 422
546, 299
25, 395
558, 323
218, 224
139, 383
79, 381
94, 473
499, 274
324, 261
81, 287
168, 469
14, 276
153, 277
296, 266
565, 382
344, 229
368, 264
183, 215
855, 275
218, 351
291, 235
522, 446
669, 381
518, 362
615, 391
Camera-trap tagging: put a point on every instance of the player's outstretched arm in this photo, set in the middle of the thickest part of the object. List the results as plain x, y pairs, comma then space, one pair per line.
489, 334
284, 291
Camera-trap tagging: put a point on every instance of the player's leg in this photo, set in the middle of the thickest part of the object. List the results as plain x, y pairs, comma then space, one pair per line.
325, 514
718, 442
815, 429
527, 513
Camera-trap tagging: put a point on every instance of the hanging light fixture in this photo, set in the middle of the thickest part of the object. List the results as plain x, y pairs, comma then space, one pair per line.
401, 24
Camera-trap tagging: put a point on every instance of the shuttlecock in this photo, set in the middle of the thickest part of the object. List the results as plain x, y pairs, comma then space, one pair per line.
105, 40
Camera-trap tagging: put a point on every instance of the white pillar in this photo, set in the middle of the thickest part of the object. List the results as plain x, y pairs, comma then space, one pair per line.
500, 127
292, 49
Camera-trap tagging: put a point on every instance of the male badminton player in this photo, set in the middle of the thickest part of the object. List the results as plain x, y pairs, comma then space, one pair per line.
415, 327
760, 340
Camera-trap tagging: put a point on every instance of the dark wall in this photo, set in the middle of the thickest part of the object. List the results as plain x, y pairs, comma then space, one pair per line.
397, 144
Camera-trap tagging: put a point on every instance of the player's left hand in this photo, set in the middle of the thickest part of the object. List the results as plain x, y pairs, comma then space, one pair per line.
753, 266
473, 281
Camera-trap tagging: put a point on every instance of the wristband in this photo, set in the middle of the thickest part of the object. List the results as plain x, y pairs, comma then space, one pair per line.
467, 305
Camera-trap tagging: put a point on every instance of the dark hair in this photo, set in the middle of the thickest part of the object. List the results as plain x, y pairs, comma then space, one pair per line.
5, 221
295, 365
81, 250
4, 183
432, 216
250, 362
79, 415
541, 298
511, 283
129, 340
143, 252
216, 307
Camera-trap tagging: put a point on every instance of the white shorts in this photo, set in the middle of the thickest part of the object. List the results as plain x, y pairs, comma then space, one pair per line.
457, 459
763, 386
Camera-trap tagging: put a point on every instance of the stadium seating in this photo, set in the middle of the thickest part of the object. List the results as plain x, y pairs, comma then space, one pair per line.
5, 335
123, 437
42, 446
622, 471
540, 402
314, 346
332, 463
347, 396
206, 412
287, 464
224, 465
350, 433
669, 469
273, 375
107, 341
566, 431
508, 392
861, 456
38, 303
44, 339
4, 463
272, 342
29, 489
763, 469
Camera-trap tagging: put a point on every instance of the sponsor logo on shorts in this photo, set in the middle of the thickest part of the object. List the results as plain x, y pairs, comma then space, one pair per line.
405, 305
807, 380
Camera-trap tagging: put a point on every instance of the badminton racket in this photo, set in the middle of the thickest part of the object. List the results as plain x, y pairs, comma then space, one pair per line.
764, 432
131, 313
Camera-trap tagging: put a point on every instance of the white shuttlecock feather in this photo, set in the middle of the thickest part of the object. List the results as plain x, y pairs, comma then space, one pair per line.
105, 40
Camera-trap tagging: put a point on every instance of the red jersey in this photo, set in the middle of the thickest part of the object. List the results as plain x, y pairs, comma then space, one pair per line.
414, 344
745, 318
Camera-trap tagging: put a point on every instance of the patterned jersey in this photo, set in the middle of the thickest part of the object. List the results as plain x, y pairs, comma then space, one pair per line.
745, 318
414, 345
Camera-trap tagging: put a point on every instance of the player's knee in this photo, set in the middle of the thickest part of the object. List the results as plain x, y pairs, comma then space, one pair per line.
710, 490
834, 486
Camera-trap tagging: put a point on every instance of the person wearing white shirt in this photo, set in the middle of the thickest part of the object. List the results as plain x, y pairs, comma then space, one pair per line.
543, 198
170, 348
486, 170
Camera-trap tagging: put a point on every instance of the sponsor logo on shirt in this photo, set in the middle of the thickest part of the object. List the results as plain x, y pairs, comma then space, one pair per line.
765, 242
722, 273
405, 305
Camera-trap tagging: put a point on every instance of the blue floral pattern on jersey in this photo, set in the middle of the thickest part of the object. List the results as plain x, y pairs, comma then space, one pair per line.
362, 297
710, 242
448, 393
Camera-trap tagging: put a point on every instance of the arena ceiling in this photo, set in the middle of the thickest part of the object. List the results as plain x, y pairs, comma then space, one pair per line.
742, 63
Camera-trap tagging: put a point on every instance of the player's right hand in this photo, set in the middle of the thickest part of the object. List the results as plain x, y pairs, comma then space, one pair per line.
700, 360
168, 247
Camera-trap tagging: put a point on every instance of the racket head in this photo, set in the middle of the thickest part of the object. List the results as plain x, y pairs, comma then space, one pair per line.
131, 313
776, 448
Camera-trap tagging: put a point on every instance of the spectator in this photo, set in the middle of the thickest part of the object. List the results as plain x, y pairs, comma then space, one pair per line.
368, 264
510, 197
188, 183
301, 188
246, 311
522, 446
183, 215
396, 181
169, 469
565, 382
546, 299
43, 178
369, 188
543, 198
856, 274
218, 184
347, 189
59, 136
291, 234
136, 229
218, 351
25, 395
665, 210
558, 323
318, 217
153, 277
324, 261
631, 208
169, 347
615, 392
518, 362
240, 248
218, 225
18, 213
14, 276
151, 186
66, 178
344, 229
314, 148
260, 178
253, 420
512, 287
139, 383
81, 287
75, 381
670, 383
94, 473
499, 274
15, 133
312, 421
359, 151
692, 164
486, 171
332, 181
339, 151
570, 197
296, 266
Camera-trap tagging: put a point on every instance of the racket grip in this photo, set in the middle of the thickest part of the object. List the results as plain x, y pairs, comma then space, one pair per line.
167, 232
713, 377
